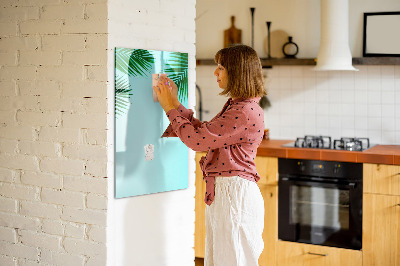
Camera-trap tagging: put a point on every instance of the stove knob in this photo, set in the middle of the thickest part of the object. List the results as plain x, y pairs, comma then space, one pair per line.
301, 166
336, 169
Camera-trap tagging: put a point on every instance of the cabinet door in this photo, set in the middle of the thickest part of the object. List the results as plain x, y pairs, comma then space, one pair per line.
267, 168
381, 179
270, 233
297, 254
381, 230
200, 207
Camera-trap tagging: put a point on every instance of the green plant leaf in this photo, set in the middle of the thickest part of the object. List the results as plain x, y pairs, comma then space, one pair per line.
122, 95
130, 62
135, 62
177, 70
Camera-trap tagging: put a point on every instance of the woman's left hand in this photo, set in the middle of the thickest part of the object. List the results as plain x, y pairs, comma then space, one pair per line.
164, 96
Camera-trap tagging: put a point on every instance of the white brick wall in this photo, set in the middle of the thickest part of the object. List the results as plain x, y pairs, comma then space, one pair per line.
53, 107
54, 140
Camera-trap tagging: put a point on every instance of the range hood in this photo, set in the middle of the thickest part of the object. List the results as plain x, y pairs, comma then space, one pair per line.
334, 51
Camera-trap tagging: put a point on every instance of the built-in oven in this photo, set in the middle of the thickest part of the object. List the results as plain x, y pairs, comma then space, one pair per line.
320, 202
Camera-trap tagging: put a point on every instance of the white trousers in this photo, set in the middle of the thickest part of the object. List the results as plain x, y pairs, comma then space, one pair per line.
234, 223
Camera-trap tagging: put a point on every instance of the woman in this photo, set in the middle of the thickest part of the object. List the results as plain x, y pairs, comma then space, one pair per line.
235, 207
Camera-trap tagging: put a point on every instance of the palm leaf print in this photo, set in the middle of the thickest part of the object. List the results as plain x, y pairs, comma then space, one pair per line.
134, 63
122, 94
177, 70
129, 62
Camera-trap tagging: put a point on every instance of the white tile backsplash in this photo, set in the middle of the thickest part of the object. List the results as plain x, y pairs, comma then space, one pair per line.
387, 124
348, 96
388, 83
374, 83
364, 103
322, 95
361, 125
374, 97
397, 72
388, 111
361, 110
347, 110
374, 110
387, 71
388, 97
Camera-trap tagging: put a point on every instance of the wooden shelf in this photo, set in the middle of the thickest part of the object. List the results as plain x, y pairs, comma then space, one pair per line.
288, 62
376, 61
312, 61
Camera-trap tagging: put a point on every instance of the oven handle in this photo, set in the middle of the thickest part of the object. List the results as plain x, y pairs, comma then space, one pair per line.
297, 181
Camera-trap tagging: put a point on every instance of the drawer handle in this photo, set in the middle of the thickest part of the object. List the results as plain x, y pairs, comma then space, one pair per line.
318, 254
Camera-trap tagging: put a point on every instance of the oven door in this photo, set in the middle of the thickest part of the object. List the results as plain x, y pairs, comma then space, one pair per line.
320, 212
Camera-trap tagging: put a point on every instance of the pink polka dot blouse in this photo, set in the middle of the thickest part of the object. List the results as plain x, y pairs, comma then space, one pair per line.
231, 139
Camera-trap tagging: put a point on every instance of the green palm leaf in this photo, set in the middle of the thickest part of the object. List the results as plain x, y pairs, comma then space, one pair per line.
177, 69
135, 62
122, 94
129, 62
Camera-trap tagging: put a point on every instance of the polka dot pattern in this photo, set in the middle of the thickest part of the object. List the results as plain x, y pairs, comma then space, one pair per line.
231, 139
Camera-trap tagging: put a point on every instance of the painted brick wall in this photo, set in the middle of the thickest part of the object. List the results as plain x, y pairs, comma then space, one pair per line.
53, 154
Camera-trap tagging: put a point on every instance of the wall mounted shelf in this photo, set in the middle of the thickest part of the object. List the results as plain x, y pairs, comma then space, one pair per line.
312, 61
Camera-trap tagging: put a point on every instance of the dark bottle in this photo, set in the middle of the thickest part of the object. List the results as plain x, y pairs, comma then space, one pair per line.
290, 49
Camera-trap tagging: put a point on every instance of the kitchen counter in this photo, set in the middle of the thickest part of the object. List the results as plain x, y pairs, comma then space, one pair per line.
379, 154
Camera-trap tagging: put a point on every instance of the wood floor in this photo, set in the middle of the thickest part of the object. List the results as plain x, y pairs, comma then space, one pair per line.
199, 262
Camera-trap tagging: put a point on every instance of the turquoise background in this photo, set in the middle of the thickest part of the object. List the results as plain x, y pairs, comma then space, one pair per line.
143, 123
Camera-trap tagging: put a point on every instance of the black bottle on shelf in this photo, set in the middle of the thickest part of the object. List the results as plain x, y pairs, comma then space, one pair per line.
290, 49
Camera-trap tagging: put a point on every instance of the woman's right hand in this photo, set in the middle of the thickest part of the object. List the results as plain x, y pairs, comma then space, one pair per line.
174, 91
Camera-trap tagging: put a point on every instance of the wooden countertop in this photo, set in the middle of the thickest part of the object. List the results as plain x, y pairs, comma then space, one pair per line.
379, 154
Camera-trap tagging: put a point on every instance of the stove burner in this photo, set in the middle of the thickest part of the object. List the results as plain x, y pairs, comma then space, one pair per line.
351, 144
308, 141
324, 142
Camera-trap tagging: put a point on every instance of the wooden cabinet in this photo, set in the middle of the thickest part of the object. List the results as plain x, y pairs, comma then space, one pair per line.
381, 179
381, 230
298, 254
381, 221
381, 215
200, 207
270, 233
267, 168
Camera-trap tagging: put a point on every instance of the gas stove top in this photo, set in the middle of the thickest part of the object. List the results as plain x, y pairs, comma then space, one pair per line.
325, 142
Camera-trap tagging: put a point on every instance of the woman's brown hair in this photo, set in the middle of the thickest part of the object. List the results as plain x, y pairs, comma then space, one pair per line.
245, 78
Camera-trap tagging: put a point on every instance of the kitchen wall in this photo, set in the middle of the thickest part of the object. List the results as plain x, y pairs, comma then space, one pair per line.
339, 104
155, 229
53, 107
